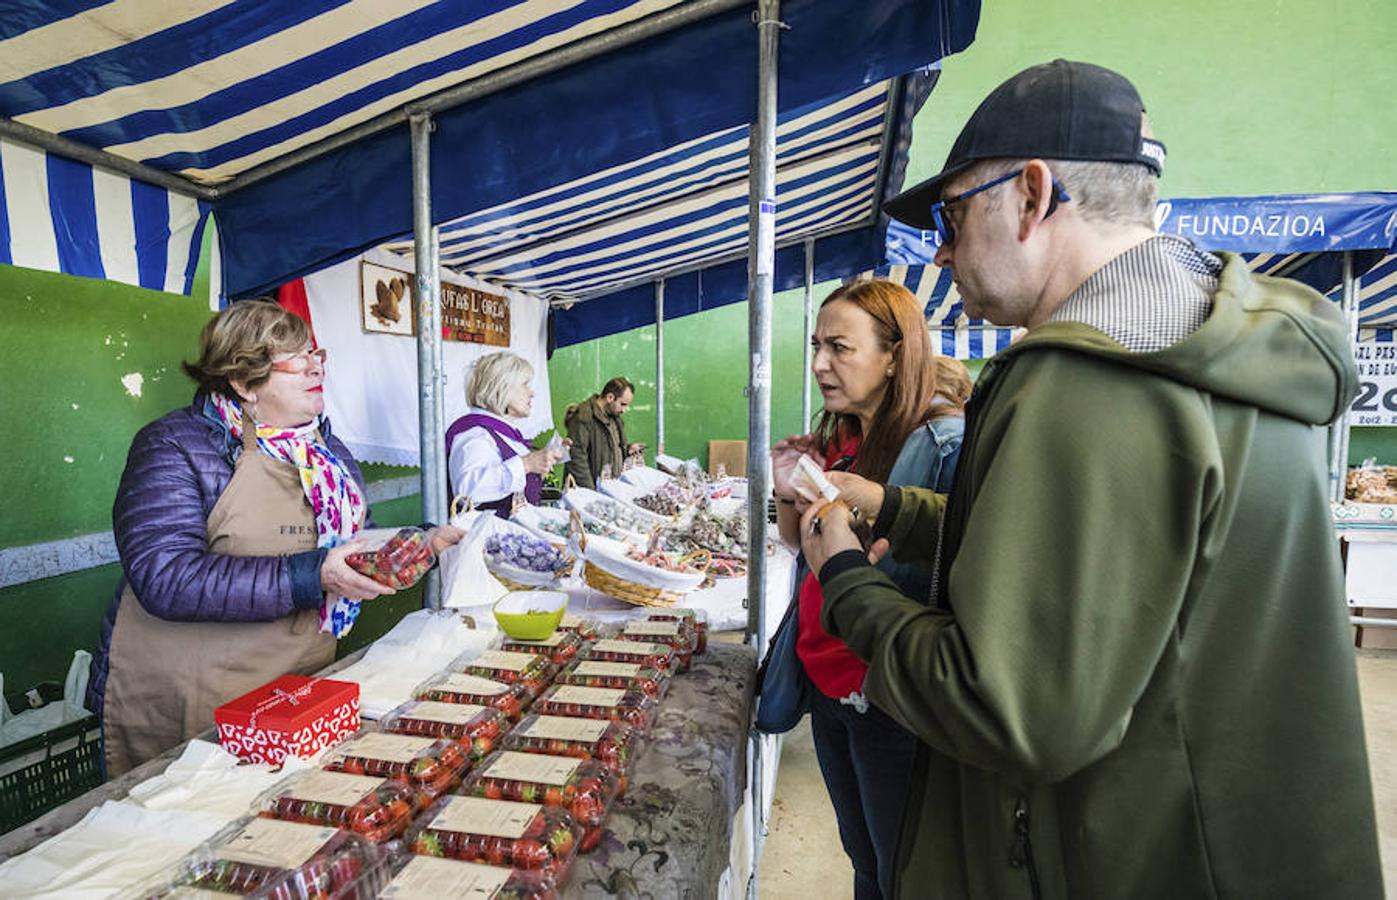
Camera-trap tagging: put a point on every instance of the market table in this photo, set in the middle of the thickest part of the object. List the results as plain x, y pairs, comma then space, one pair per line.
670, 836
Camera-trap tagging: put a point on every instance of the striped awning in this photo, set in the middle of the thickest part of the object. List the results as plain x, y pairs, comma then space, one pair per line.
58, 215
209, 89
676, 209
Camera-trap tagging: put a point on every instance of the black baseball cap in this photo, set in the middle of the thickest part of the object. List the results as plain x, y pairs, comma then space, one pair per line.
1057, 110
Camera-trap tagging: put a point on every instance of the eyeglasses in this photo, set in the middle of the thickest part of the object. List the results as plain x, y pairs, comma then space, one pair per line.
298, 363
944, 228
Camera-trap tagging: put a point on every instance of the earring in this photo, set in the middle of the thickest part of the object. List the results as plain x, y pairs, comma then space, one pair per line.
890, 372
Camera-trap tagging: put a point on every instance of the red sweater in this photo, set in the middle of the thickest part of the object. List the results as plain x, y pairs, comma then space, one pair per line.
828, 661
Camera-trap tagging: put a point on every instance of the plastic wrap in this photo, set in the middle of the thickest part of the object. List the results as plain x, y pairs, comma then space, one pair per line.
432, 765
584, 787
654, 683
267, 858
514, 668
377, 808
430, 878
478, 728
630, 706
500, 832
697, 619
616, 744
400, 563
457, 687
649, 655
560, 646
678, 634
582, 627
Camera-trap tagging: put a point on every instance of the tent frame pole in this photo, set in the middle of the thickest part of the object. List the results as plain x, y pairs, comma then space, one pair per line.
761, 271
427, 298
1339, 432
660, 366
805, 349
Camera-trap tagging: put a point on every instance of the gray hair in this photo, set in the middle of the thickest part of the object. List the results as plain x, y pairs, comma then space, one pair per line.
493, 377
1106, 192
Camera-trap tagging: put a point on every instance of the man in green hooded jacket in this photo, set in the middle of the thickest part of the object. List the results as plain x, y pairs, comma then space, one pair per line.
1134, 676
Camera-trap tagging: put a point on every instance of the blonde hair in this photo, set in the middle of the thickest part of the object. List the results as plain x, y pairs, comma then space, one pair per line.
954, 384
493, 377
240, 343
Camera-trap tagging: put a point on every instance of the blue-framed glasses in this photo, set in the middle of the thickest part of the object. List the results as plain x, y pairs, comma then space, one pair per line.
945, 232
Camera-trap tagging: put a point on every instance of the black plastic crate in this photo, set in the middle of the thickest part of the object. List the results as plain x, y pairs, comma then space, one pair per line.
49, 769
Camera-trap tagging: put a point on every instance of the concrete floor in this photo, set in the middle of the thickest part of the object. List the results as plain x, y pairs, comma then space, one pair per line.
803, 859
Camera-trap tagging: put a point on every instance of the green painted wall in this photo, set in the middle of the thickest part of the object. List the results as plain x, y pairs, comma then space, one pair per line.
67, 419
1251, 97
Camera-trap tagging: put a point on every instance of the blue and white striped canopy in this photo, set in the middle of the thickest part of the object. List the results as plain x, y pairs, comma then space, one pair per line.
677, 208
525, 173
58, 215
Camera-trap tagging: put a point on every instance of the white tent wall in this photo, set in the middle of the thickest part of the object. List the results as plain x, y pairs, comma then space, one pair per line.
371, 379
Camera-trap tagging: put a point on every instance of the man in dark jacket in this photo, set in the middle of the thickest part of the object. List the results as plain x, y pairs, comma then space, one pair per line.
598, 437
1135, 679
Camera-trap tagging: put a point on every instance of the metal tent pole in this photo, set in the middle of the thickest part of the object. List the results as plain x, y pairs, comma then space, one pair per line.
805, 335
427, 297
761, 265
660, 366
1339, 433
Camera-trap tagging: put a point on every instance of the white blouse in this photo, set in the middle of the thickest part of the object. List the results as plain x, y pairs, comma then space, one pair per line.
476, 468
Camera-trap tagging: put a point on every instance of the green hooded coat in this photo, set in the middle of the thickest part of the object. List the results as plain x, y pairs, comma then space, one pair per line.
1140, 682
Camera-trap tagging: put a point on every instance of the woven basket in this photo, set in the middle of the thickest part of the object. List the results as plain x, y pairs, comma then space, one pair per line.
630, 592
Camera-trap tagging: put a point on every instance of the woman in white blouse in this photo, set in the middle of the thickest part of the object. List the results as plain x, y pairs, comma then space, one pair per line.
487, 457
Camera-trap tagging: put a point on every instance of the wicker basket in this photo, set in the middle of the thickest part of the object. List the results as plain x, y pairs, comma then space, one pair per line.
613, 583
523, 580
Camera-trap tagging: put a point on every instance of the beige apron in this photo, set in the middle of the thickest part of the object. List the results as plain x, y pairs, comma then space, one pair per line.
165, 678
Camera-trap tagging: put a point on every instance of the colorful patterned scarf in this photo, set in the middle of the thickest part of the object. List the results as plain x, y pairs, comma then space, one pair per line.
333, 493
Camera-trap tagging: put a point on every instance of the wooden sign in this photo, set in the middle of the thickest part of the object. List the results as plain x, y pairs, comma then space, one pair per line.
474, 316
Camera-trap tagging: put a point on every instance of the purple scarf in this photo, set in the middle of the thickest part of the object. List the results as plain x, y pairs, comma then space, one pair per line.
499, 430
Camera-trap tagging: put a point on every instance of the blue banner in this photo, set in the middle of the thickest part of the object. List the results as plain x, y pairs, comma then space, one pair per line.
1300, 223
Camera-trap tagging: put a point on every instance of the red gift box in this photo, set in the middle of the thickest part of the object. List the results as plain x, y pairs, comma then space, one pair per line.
292, 715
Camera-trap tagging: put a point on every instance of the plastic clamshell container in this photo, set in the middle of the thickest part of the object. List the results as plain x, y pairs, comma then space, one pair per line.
654, 683
616, 744
528, 836
400, 563
513, 668
478, 728
560, 647
582, 627
630, 706
432, 765
649, 655
379, 809
584, 787
697, 619
459, 687
432, 878
677, 634
268, 858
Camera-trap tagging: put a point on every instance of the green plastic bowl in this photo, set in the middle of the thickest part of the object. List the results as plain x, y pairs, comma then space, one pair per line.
530, 615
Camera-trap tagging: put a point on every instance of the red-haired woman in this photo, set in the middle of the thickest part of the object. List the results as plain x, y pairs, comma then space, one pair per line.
875, 368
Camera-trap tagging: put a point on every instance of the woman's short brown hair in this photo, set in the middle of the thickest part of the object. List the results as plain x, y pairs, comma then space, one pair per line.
240, 343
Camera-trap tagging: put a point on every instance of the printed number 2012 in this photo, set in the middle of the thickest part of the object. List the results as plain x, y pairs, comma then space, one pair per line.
1367, 400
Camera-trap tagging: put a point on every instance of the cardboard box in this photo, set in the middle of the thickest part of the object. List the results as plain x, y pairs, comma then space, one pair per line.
293, 715
731, 455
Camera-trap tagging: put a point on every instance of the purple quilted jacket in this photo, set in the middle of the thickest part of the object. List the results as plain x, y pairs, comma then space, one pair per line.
177, 468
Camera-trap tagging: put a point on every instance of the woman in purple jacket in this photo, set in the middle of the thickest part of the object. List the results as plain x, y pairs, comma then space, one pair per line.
233, 520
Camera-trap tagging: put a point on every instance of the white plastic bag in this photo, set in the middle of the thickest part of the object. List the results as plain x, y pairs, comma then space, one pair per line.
465, 581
